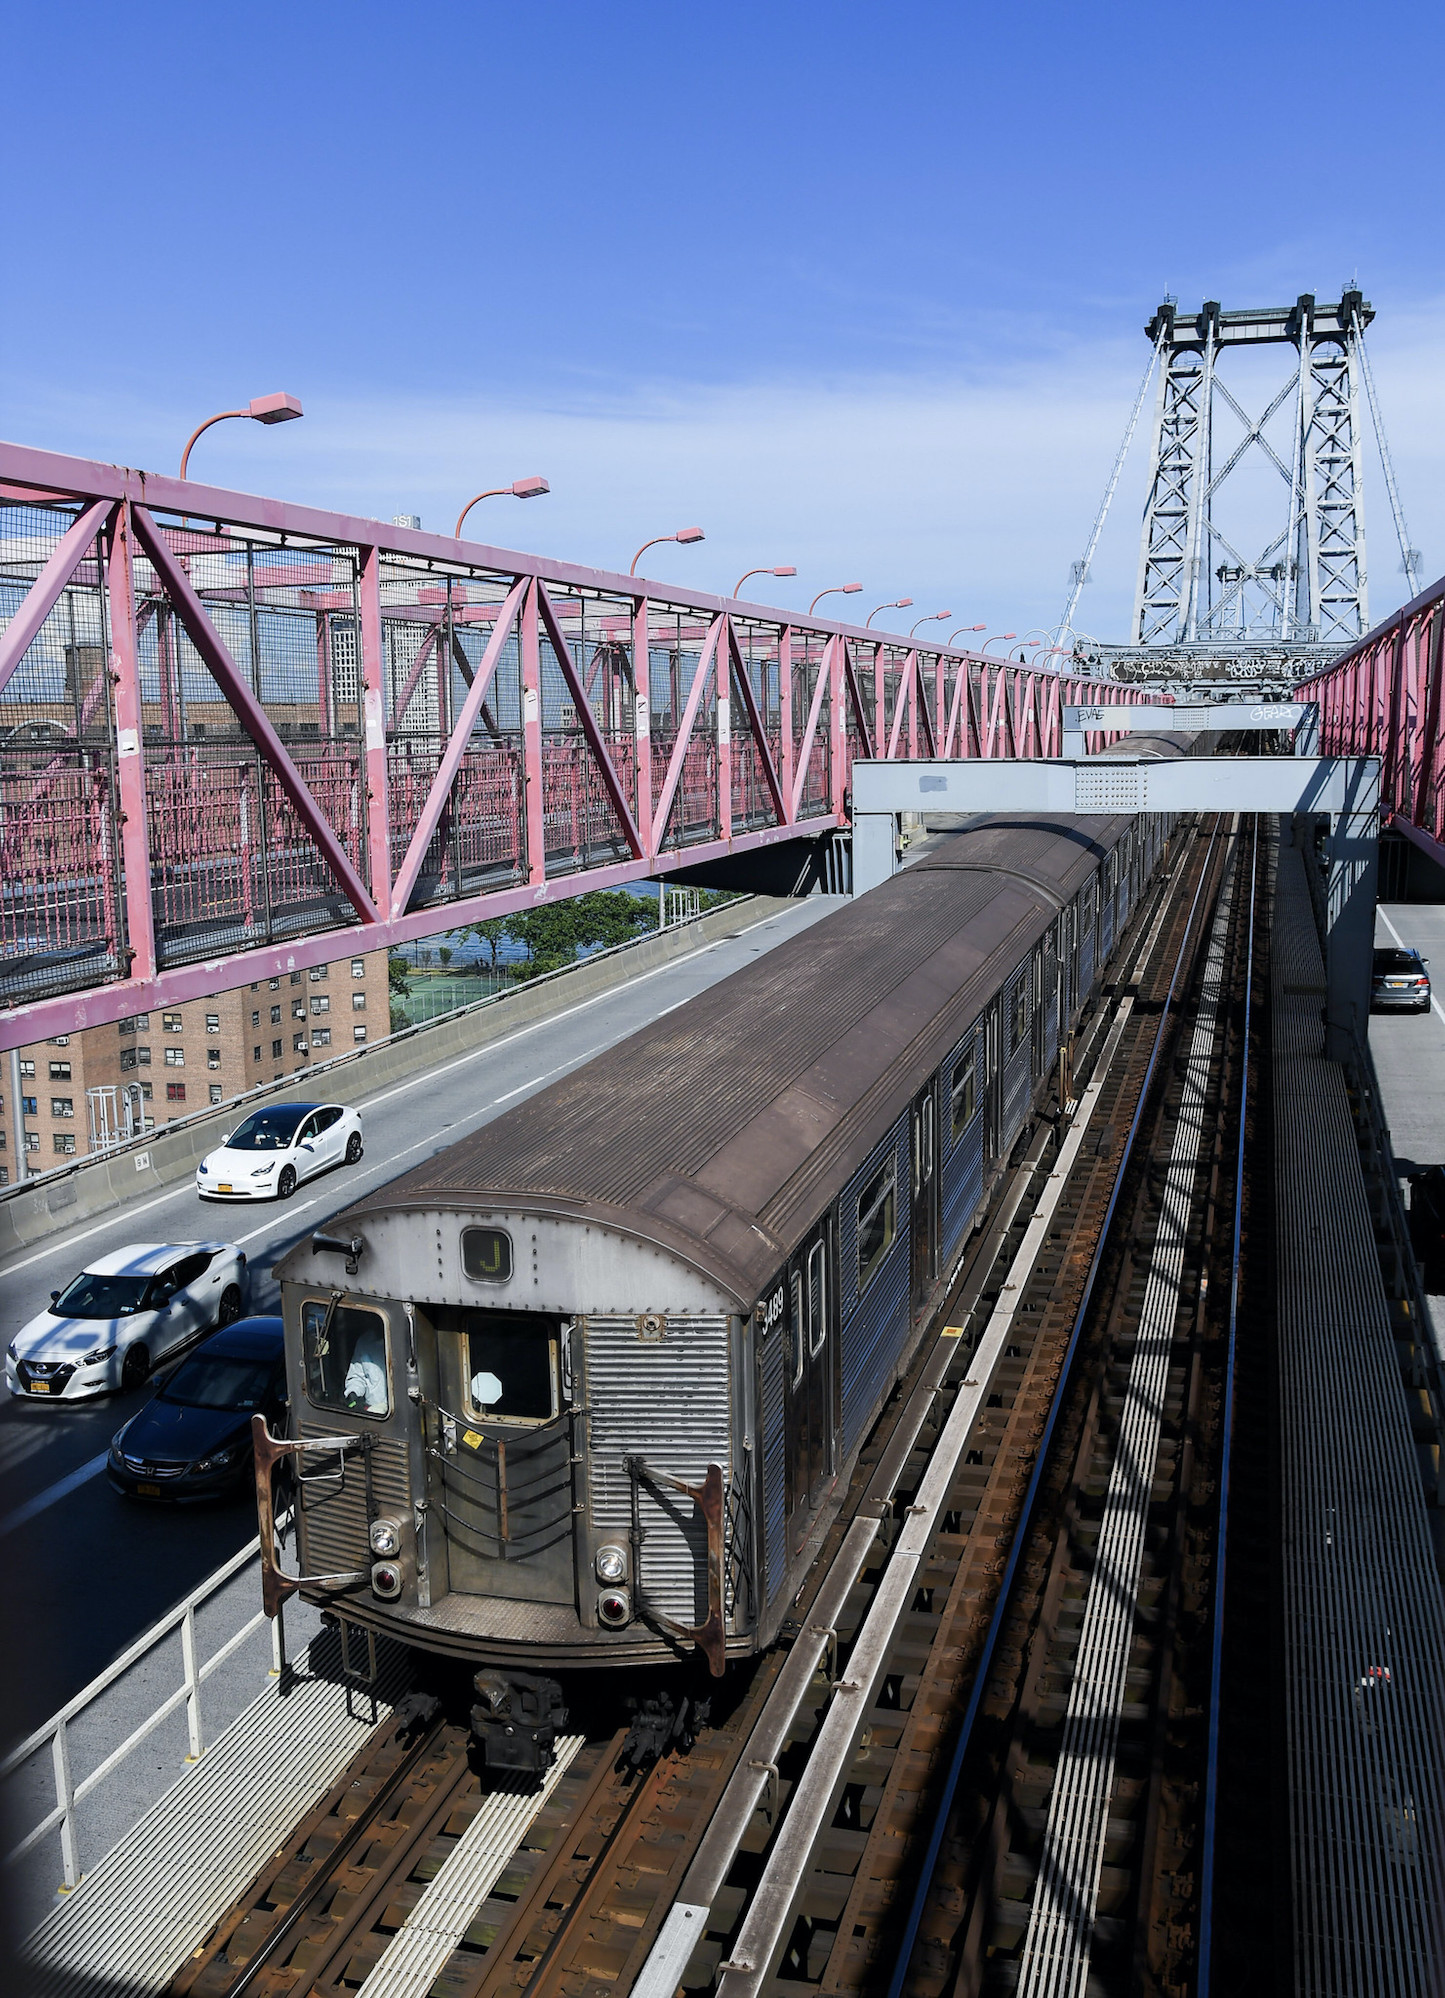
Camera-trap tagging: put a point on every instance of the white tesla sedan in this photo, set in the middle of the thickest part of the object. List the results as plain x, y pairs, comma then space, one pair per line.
268, 1156
129, 1309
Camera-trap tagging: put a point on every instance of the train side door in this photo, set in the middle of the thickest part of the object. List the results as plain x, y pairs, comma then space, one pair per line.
924, 1219
812, 1316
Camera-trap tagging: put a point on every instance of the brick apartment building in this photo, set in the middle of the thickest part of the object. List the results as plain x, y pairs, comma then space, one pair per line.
66, 1097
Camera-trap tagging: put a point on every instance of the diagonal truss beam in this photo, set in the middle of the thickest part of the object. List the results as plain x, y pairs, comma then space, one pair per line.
855, 695
612, 784
755, 723
441, 786
44, 593
805, 747
684, 733
249, 712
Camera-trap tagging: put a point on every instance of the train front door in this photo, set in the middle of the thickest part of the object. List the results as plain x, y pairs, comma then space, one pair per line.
924, 1218
811, 1376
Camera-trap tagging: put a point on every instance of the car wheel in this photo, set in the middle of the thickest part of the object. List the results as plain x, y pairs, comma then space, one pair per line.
286, 1184
230, 1309
353, 1148
135, 1367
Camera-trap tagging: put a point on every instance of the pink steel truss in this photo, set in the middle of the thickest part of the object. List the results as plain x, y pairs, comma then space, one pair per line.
240, 737
1382, 698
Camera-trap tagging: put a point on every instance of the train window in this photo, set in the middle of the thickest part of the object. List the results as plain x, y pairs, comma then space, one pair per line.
487, 1254
964, 1094
876, 1222
344, 1352
796, 1327
1018, 1016
510, 1364
817, 1299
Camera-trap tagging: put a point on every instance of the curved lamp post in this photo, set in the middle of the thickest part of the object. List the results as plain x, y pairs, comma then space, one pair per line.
932, 618
898, 603
961, 628
683, 534
278, 408
1005, 636
786, 570
838, 590
531, 488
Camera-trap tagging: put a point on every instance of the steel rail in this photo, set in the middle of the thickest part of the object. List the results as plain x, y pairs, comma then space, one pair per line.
1025, 1520
1216, 1658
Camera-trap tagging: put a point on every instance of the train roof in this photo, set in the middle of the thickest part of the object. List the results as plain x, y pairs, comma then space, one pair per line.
723, 1129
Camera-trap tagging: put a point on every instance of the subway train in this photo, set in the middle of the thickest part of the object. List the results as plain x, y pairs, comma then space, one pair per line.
585, 1389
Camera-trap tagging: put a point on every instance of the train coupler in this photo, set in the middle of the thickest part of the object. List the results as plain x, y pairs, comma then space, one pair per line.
517, 1719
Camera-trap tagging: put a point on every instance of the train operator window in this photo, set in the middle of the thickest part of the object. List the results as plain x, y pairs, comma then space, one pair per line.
509, 1362
345, 1358
876, 1204
1019, 1016
964, 1097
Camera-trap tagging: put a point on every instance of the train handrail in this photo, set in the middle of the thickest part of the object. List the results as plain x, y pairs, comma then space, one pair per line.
195, 1671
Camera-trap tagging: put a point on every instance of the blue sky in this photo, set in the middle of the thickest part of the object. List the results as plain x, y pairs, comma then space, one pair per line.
856, 287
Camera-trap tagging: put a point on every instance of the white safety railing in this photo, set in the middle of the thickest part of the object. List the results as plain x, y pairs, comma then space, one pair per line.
56, 1731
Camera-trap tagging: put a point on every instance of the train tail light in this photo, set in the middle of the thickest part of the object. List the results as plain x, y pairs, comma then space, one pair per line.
614, 1608
385, 1580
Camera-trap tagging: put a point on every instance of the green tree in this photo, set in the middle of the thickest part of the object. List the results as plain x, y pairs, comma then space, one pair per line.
397, 972
445, 954
489, 934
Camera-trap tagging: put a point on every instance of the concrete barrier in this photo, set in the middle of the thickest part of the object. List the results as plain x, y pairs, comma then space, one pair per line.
37, 1208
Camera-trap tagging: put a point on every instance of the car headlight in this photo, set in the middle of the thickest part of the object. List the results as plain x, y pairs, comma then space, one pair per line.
101, 1353
11, 1352
260, 1172
219, 1459
202, 1167
611, 1564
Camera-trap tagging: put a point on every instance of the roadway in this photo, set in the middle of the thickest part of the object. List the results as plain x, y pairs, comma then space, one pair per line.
96, 1569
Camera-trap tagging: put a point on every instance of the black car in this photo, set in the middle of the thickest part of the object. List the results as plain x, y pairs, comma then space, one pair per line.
1399, 978
192, 1440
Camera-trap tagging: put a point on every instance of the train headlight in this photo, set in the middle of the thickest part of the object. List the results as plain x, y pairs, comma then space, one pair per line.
611, 1564
385, 1580
614, 1608
385, 1537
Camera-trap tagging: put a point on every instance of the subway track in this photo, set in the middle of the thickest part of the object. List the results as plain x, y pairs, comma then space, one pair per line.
622, 1873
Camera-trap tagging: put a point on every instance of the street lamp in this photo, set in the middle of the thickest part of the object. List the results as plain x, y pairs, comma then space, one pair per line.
932, 618
898, 603
684, 534
787, 570
532, 488
1025, 646
1004, 635
277, 408
964, 627
838, 590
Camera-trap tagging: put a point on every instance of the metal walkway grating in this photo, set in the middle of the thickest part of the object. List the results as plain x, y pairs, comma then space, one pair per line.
126, 1929
1364, 1629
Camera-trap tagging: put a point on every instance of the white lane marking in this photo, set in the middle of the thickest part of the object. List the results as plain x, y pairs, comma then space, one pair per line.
23, 1514
1434, 1002
428, 1075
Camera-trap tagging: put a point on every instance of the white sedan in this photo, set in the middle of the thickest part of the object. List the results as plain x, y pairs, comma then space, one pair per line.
268, 1156
125, 1312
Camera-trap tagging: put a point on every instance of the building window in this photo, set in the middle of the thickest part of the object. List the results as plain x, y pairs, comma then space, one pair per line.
62, 1106
175, 1092
60, 1071
319, 973
255, 985
321, 1037
299, 1044
4, 1141
29, 1107
255, 1054
215, 1092
275, 1016
60, 1040
138, 1020
4, 1175
296, 978
145, 1092
321, 1005
127, 1058
171, 1022
175, 1057
32, 1141
358, 967
27, 1068
255, 1018
358, 1033
64, 1143
358, 1002
213, 1023
298, 1009
275, 1050
213, 1057
143, 1055
273, 985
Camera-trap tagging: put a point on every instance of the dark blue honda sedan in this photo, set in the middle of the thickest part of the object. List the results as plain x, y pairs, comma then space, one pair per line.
192, 1440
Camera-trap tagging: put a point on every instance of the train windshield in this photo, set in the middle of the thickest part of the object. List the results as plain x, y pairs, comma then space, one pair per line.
345, 1355
509, 1360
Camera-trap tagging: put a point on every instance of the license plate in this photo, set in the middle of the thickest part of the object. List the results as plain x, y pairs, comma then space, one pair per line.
149, 1491
1396, 984
42, 1387
225, 1187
